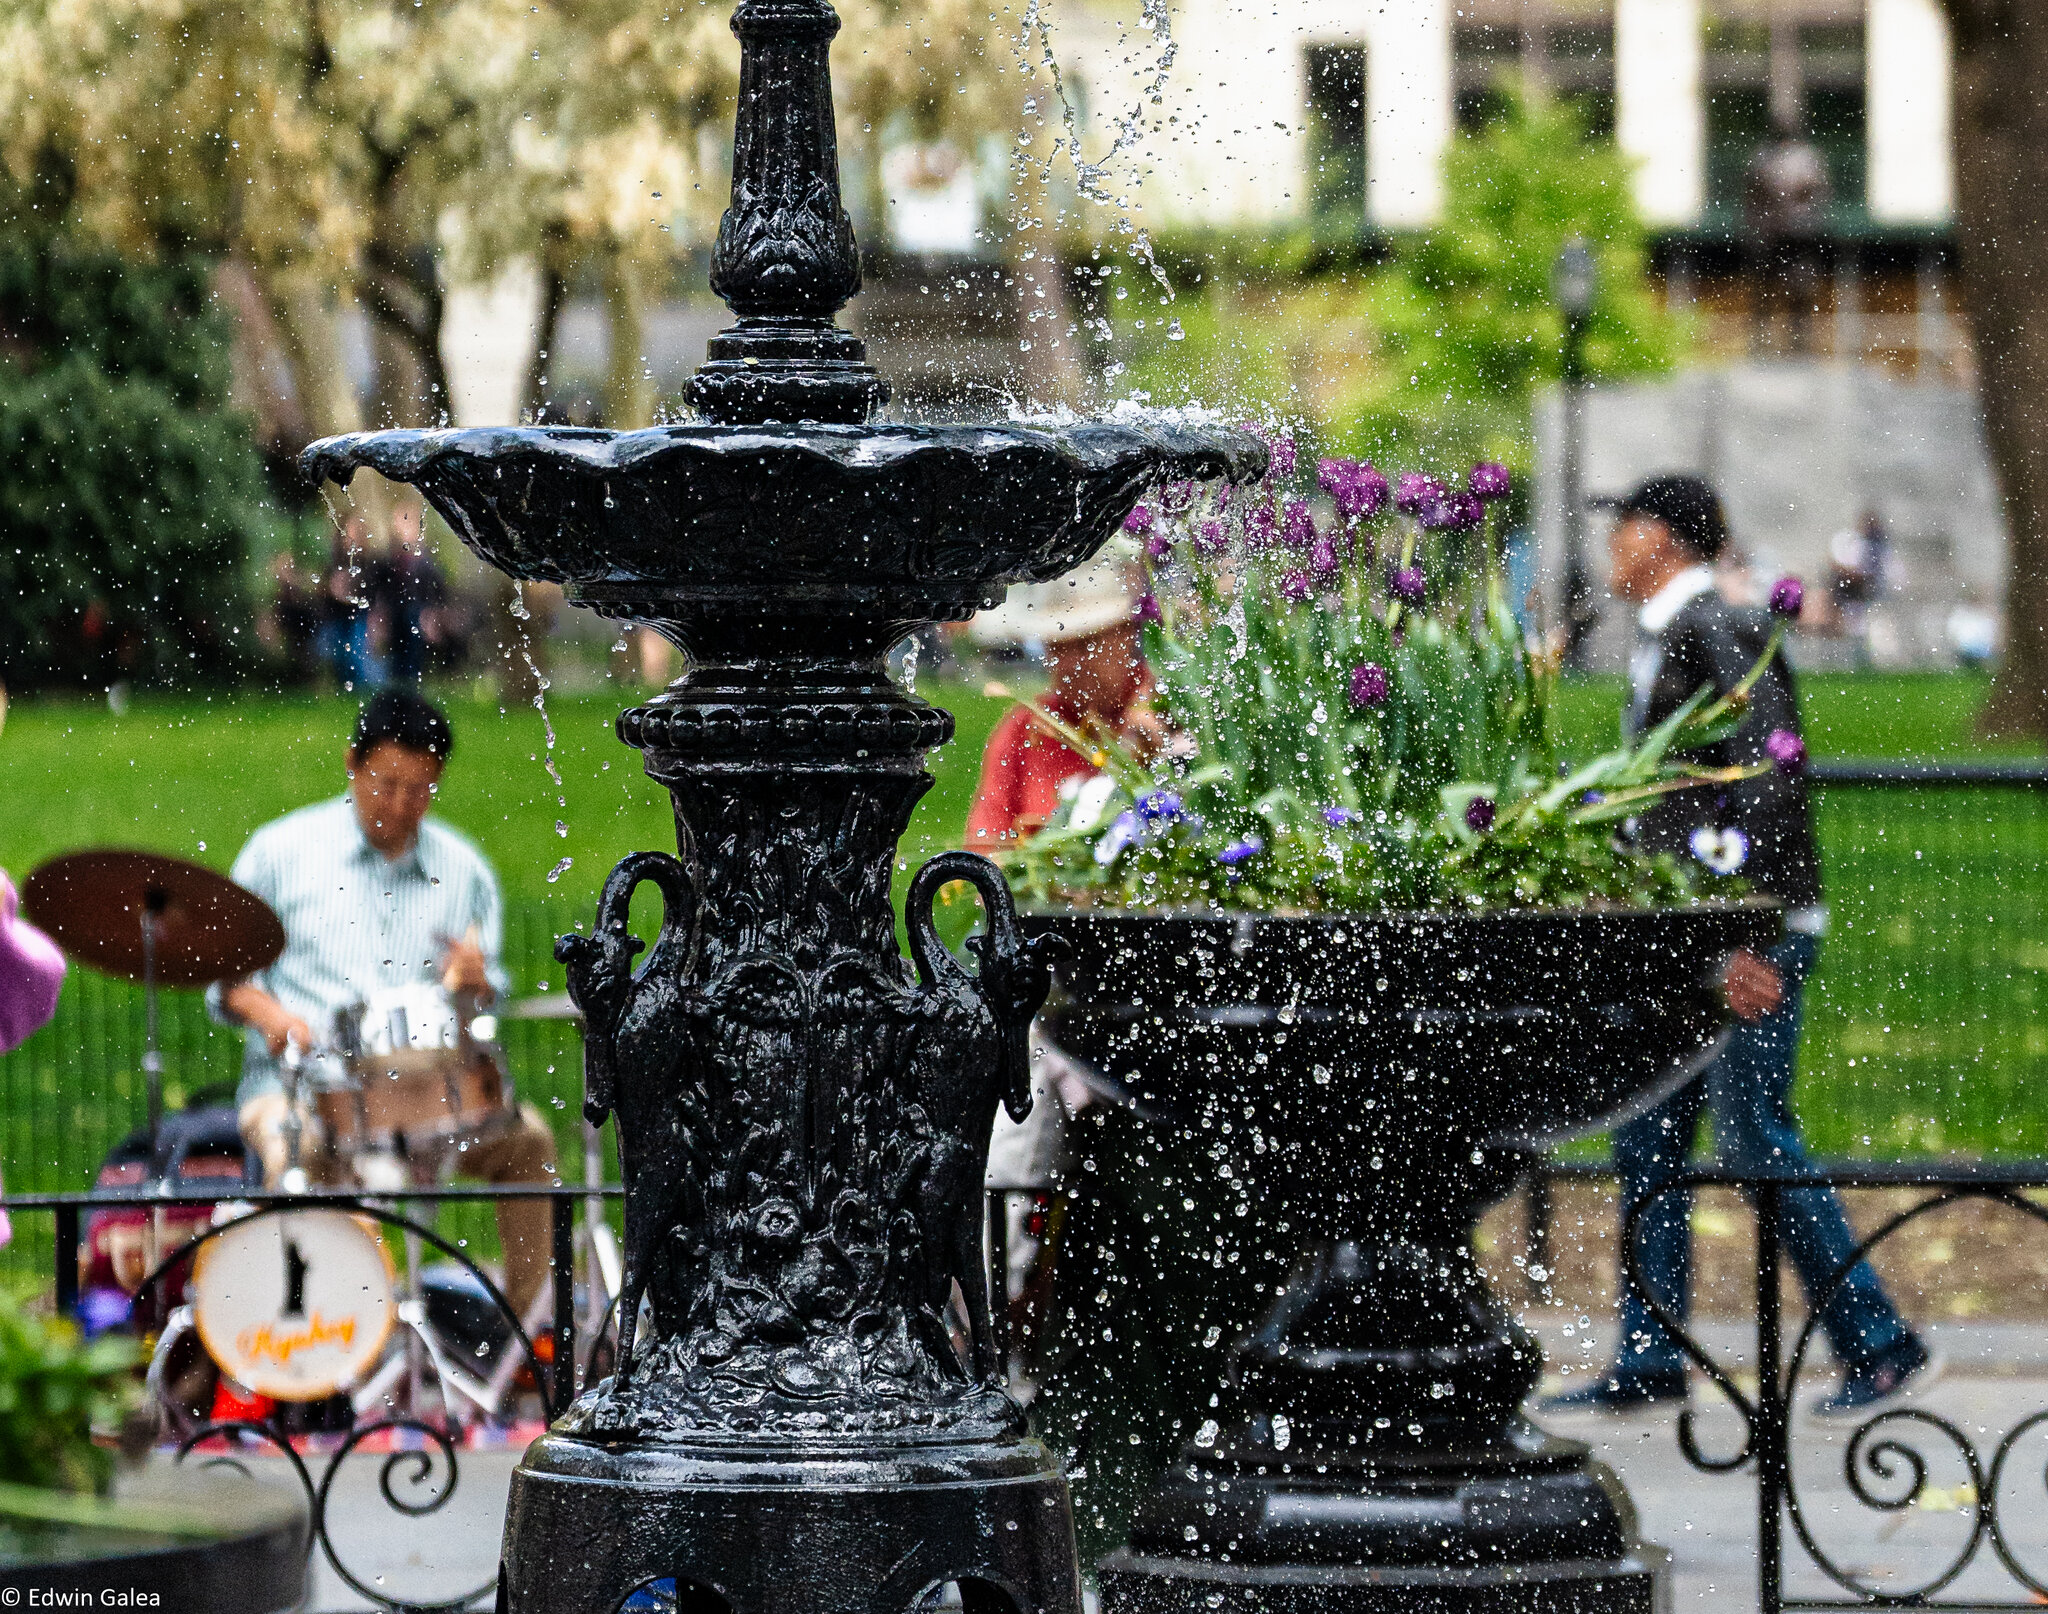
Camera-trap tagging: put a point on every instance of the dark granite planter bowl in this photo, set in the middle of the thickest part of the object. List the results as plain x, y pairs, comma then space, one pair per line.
1373, 1082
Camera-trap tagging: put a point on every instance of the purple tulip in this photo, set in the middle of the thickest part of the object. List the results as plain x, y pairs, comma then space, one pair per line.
1786, 751
1281, 447
1211, 539
1463, 511
1139, 520
1479, 814
1333, 474
1297, 524
1366, 496
1339, 817
1407, 585
1414, 491
1260, 528
1147, 610
1240, 851
1368, 684
1489, 481
1296, 587
1788, 594
1322, 560
1158, 547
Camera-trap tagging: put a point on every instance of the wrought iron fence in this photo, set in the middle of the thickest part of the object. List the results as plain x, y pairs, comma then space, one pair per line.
421, 1455
1888, 1460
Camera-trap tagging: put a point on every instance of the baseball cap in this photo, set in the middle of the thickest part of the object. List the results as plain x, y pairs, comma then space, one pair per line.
1685, 504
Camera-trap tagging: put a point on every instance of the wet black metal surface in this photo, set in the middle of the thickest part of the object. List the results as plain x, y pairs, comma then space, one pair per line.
803, 1116
1374, 1082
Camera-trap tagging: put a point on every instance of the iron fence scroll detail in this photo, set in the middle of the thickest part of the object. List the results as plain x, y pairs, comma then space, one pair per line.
1886, 1461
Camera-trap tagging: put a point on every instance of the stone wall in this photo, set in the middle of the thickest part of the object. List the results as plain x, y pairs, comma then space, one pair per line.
1801, 449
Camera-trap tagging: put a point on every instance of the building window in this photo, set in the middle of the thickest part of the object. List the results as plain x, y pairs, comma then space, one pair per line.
1556, 49
1336, 133
1803, 65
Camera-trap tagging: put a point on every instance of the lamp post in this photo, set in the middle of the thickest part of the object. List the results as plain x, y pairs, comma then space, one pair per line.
1574, 281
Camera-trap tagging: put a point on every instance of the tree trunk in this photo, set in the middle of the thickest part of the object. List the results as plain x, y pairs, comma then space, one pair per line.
311, 336
268, 385
554, 293
401, 290
2001, 128
628, 386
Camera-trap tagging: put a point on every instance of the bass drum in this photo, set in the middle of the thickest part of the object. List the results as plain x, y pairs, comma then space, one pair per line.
296, 1305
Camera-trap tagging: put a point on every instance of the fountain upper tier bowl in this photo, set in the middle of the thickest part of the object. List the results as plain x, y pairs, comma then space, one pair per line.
923, 520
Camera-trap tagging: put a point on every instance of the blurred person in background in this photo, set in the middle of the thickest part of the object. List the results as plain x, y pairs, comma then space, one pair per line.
1785, 200
374, 894
31, 972
345, 634
1087, 630
1667, 536
291, 626
409, 595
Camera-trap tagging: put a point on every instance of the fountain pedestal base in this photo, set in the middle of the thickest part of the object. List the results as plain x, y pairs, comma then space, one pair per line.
1640, 1583
800, 1531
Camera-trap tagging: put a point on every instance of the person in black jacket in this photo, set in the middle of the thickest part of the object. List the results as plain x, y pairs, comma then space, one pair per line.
1666, 536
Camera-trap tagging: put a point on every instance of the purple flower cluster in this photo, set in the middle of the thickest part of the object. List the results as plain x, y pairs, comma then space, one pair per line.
1368, 685
1240, 851
1479, 814
1489, 481
1788, 596
1407, 584
1415, 493
1357, 489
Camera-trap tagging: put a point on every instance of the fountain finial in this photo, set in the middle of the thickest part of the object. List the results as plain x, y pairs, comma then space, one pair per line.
786, 261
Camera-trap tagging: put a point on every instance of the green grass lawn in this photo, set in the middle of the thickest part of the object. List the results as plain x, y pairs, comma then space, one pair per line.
1925, 1028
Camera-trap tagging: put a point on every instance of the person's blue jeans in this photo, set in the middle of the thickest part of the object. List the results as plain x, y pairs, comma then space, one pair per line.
356, 666
1749, 1090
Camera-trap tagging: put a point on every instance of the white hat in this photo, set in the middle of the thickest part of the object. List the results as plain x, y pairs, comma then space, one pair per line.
1085, 601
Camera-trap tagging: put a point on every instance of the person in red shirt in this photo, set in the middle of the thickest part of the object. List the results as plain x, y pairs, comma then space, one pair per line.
1088, 624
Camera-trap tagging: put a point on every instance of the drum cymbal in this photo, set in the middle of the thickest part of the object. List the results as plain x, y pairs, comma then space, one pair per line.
208, 928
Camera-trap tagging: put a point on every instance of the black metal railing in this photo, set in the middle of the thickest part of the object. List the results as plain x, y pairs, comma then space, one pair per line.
1885, 1471
416, 1479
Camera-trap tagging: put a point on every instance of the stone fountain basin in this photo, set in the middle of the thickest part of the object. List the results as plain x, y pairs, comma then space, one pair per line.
947, 513
1421, 1032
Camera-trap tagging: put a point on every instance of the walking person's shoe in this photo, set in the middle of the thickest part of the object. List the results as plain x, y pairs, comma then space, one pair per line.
1622, 1393
1886, 1381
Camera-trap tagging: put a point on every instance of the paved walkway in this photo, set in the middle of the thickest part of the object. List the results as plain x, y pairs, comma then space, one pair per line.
1998, 1377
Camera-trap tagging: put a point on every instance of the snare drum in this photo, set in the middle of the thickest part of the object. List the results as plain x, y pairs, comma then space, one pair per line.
295, 1306
415, 1079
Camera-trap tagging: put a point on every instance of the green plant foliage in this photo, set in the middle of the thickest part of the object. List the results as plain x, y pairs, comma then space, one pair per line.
1464, 322
130, 498
1428, 348
1359, 723
55, 1390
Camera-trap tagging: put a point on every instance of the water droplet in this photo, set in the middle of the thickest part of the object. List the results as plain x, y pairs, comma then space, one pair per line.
560, 869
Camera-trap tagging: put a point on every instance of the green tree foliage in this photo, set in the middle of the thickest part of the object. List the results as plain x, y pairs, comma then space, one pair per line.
1464, 325
130, 498
1432, 355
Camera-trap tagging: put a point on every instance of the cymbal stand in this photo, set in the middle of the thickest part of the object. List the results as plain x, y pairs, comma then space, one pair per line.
153, 904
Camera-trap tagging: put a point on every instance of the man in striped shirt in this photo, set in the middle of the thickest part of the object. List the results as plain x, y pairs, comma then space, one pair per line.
374, 895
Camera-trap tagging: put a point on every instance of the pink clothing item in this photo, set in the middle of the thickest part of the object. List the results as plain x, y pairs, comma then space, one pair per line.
31, 970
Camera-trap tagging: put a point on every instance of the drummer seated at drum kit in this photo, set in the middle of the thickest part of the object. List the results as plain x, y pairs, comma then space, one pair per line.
384, 906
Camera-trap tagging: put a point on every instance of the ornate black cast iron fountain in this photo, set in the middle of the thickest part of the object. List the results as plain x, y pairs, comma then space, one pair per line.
802, 1120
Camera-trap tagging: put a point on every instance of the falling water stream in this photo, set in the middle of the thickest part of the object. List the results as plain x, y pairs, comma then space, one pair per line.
1035, 31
